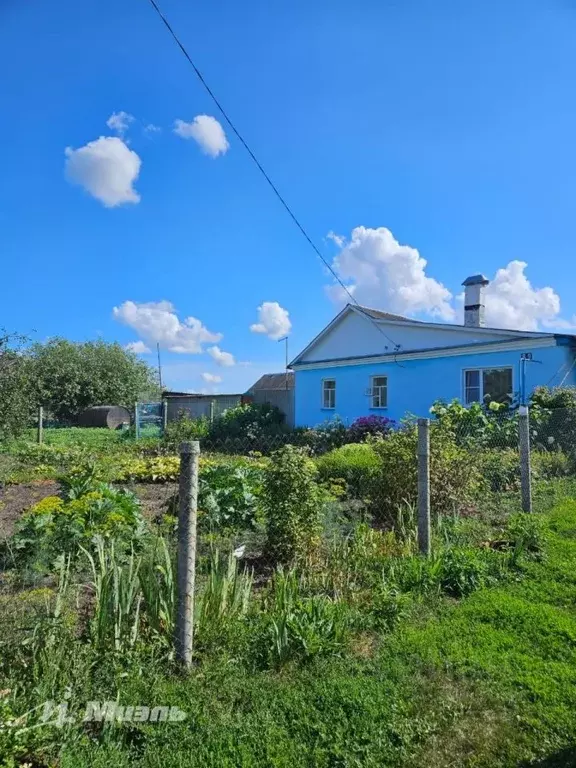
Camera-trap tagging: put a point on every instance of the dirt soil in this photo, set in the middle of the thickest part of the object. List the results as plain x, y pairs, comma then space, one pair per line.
14, 499
156, 500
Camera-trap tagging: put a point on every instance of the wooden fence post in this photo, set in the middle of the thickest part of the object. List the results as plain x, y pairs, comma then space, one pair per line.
424, 486
184, 625
525, 473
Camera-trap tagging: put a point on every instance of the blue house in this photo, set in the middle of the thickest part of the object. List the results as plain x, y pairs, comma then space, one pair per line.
371, 362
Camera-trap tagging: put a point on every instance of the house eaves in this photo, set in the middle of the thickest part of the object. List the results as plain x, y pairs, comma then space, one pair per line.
517, 343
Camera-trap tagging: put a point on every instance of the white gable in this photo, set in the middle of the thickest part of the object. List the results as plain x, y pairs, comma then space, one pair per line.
355, 335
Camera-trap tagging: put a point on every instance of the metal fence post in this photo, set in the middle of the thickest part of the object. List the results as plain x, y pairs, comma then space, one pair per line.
40, 434
424, 486
184, 625
212, 409
136, 422
164, 415
525, 473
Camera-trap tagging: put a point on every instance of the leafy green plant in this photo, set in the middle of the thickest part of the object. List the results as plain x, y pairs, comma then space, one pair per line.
227, 497
298, 627
223, 599
55, 525
157, 577
117, 596
527, 534
293, 504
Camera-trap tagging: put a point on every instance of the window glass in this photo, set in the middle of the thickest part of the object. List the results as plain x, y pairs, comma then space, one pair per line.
329, 393
379, 391
472, 387
497, 385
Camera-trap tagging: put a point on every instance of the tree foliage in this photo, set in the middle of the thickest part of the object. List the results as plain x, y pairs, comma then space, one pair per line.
15, 401
69, 376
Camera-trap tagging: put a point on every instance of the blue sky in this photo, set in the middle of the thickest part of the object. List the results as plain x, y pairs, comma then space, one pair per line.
439, 131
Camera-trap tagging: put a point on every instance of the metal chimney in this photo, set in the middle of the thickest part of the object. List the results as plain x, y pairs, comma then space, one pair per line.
474, 289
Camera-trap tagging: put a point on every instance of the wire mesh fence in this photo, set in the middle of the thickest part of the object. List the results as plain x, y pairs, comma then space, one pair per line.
270, 499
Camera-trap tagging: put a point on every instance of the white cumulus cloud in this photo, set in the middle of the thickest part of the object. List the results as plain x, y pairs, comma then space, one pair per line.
157, 322
119, 122
106, 168
138, 347
381, 273
211, 378
151, 128
273, 320
512, 301
206, 132
225, 359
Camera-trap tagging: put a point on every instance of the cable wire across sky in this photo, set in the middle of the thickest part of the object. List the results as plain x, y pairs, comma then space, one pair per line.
271, 184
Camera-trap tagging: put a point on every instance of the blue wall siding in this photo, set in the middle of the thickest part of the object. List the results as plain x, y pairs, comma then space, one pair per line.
413, 385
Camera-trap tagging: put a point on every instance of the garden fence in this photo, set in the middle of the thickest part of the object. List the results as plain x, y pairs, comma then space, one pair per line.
407, 480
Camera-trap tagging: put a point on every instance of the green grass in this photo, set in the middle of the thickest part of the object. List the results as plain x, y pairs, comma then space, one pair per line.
489, 681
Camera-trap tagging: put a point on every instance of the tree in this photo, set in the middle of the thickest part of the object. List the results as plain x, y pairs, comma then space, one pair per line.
70, 376
16, 402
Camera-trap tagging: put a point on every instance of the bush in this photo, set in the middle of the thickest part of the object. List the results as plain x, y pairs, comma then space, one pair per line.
356, 464
293, 504
500, 470
185, 428
249, 424
454, 477
549, 464
369, 426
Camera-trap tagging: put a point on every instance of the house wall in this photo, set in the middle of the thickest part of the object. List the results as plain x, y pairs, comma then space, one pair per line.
356, 335
413, 385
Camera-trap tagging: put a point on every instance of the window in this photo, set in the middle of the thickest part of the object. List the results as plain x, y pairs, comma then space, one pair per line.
329, 393
379, 392
484, 385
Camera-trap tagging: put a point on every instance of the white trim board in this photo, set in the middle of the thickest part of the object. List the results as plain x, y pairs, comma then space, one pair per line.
389, 324
477, 349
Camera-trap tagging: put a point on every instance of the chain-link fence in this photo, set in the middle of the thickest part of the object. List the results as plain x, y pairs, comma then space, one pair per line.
267, 500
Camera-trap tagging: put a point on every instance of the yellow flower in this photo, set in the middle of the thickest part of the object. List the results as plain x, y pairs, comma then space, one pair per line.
47, 506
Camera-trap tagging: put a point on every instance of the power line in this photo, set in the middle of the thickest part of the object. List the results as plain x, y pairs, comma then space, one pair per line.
263, 172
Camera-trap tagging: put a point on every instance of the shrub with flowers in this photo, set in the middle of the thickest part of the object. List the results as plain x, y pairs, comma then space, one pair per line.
375, 425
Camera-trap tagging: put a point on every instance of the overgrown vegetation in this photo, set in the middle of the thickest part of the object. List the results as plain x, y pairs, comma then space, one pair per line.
321, 636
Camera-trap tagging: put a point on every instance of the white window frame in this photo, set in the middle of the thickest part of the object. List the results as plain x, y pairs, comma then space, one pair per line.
331, 389
481, 370
373, 396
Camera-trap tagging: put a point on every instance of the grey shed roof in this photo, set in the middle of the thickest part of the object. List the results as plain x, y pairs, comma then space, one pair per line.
274, 381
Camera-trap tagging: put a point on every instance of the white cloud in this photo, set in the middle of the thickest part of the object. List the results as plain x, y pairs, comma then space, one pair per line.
512, 301
338, 240
274, 321
138, 347
381, 273
151, 128
206, 132
158, 322
225, 359
106, 168
211, 378
119, 122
